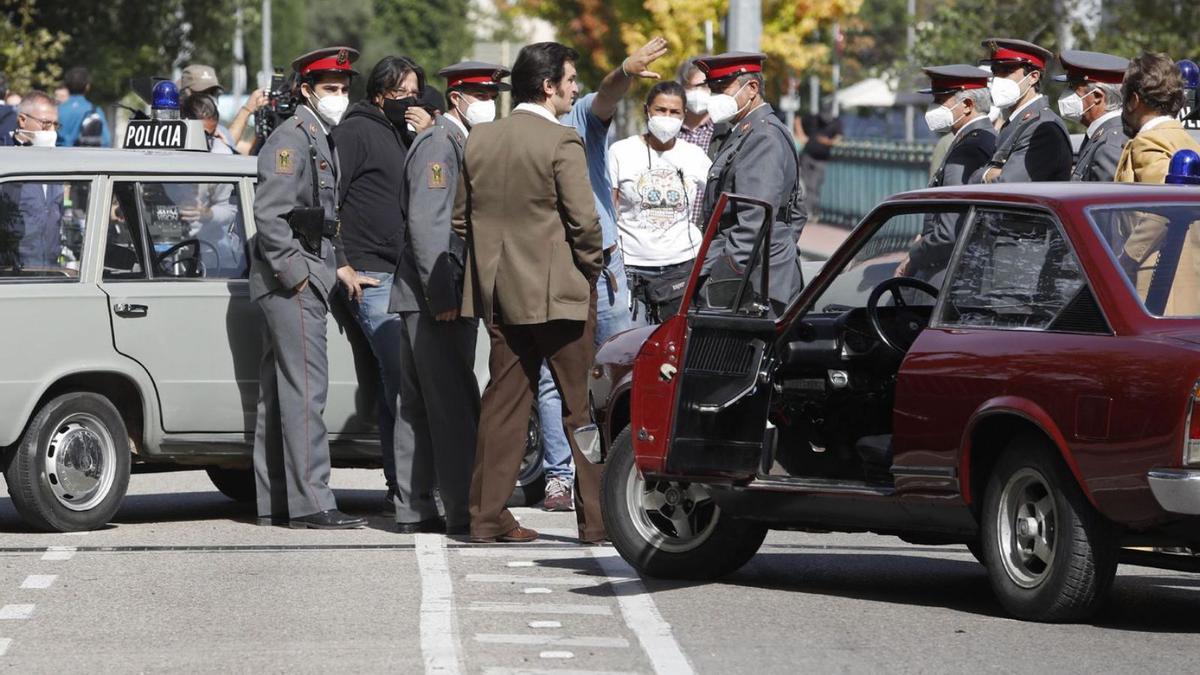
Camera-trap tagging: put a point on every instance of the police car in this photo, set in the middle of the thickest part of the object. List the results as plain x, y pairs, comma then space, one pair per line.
130, 342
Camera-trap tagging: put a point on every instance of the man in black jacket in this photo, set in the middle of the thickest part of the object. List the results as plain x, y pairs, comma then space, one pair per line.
372, 143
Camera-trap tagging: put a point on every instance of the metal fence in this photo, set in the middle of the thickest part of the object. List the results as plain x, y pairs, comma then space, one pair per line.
862, 174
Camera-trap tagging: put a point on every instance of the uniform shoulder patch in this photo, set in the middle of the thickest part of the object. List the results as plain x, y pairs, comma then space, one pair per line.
437, 176
285, 162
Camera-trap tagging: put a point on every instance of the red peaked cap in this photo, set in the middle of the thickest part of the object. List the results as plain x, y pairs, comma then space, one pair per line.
1092, 67
957, 77
329, 59
724, 66
1008, 50
487, 75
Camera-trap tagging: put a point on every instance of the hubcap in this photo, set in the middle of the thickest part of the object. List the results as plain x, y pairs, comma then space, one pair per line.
1027, 523
673, 517
80, 462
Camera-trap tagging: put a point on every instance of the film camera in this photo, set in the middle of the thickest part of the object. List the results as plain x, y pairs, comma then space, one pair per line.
282, 100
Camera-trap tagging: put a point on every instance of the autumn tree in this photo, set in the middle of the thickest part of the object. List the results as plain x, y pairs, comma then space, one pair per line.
29, 51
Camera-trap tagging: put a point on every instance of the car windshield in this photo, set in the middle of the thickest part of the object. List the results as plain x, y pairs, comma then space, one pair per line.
1158, 249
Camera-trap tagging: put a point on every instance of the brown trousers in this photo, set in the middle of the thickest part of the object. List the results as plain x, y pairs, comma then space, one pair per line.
515, 363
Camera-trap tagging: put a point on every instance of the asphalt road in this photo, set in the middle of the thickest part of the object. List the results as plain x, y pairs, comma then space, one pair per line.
183, 582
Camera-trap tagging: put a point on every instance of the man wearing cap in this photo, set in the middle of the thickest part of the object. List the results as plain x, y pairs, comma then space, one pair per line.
201, 79
758, 160
1033, 144
292, 275
961, 102
438, 415
1093, 98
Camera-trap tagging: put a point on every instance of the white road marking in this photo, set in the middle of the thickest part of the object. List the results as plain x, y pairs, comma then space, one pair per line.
59, 553
16, 612
533, 671
545, 624
521, 608
439, 637
643, 617
536, 591
77, 534
549, 581
39, 581
521, 563
551, 640
4, 643
557, 655
526, 552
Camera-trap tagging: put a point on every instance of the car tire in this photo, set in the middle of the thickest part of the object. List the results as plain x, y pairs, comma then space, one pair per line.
976, 549
237, 484
1049, 554
70, 469
531, 479
644, 521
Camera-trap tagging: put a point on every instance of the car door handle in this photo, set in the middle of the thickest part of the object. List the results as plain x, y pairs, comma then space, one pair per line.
130, 310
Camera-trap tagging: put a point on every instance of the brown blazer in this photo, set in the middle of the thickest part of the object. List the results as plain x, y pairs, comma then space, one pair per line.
1146, 159
526, 209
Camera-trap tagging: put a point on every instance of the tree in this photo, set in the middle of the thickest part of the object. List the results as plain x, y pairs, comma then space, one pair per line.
29, 52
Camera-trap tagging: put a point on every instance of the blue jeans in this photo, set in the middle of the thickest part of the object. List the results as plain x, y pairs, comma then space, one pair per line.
612, 317
384, 332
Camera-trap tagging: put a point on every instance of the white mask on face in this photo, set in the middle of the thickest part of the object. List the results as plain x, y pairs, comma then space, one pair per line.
478, 112
332, 107
1071, 107
664, 128
941, 119
42, 139
1005, 92
697, 100
723, 107
994, 114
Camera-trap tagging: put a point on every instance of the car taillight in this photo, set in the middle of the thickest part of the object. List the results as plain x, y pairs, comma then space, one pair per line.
1191, 447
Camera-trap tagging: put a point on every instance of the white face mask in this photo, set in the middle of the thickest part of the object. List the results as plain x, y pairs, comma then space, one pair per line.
1005, 92
994, 114
42, 139
332, 107
697, 100
664, 128
1071, 107
479, 112
941, 119
723, 107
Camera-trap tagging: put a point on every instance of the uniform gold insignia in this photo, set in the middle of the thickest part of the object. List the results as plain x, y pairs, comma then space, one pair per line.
437, 176
312, 128
283, 162
324, 165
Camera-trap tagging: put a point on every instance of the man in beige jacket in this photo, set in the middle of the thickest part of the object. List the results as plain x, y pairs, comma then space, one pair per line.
525, 206
1153, 97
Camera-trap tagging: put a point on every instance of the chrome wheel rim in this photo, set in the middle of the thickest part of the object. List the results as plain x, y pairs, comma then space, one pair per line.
671, 516
81, 462
531, 463
1027, 523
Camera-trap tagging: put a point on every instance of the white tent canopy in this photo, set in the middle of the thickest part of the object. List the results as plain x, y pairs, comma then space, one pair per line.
872, 92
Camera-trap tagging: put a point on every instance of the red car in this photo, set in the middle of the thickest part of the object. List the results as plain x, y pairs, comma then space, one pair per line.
1026, 388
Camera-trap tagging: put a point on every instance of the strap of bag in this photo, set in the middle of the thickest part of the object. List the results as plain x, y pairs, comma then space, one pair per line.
312, 159
1006, 149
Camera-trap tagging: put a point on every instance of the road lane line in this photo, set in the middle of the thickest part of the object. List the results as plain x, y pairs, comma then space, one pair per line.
523, 608
643, 617
557, 655
537, 591
439, 636
4, 643
534, 671
525, 552
545, 624
16, 612
39, 581
521, 563
548, 581
59, 553
552, 640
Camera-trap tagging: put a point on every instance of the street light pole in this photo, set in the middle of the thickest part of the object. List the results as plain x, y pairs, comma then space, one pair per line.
911, 39
745, 25
264, 77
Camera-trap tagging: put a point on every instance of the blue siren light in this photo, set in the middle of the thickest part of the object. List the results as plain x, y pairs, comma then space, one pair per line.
1190, 72
1185, 168
165, 96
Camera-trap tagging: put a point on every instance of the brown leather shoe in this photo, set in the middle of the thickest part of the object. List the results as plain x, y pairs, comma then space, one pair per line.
517, 535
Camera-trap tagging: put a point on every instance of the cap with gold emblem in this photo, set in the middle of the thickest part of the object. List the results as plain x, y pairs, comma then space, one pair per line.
730, 64
1003, 51
1084, 66
327, 60
476, 74
957, 77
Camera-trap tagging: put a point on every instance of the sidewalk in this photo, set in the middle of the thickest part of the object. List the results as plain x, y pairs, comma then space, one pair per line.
818, 242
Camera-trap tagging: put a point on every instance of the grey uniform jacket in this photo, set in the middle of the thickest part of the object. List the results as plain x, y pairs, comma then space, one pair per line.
1033, 146
278, 261
972, 149
430, 272
757, 160
1099, 154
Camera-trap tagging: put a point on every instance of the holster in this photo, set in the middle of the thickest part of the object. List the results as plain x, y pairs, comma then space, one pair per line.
308, 222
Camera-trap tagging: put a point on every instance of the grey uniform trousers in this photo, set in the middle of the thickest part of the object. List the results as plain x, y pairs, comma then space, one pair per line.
437, 417
291, 446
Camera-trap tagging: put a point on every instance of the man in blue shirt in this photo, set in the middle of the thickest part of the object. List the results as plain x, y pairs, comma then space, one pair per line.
592, 117
82, 121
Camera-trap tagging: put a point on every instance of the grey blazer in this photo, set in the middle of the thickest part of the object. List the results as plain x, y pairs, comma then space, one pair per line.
1099, 155
278, 261
430, 272
1034, 146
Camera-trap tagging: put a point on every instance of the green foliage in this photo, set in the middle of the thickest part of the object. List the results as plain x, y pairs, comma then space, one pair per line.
28, 50
1134, 26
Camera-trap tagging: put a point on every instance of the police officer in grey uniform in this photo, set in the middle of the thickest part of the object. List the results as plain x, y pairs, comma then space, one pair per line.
961, 102
292, 274
438, 415
757, 160
1093, 98
1033, 144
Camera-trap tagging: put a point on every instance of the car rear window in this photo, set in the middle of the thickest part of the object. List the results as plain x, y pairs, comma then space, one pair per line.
41, 228
1158, 250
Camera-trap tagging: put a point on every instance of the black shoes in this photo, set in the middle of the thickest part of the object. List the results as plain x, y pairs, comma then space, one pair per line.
327, 520
429, 526
388, 508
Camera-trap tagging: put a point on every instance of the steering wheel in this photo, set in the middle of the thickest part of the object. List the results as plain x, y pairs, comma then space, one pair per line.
893, 286
193, 266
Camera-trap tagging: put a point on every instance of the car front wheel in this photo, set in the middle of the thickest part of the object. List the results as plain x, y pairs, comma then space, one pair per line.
70, 470
237, 484
1049, 555
671, 529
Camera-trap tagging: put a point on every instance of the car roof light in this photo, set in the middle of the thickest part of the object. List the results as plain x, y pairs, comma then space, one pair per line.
1190, 72
1185, 168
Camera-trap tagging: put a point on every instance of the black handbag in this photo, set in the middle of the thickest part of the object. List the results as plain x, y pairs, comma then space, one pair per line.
662, 294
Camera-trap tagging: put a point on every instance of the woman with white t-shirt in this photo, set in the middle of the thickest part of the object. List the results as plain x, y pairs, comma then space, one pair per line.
656, 178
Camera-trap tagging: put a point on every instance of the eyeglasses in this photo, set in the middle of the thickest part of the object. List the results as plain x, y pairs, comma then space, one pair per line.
47, 125
399, 92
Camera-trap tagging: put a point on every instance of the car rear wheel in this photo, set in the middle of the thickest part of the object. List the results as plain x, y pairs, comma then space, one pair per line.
531, 479
237, 484
70, 470
1050, 556
671, 529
